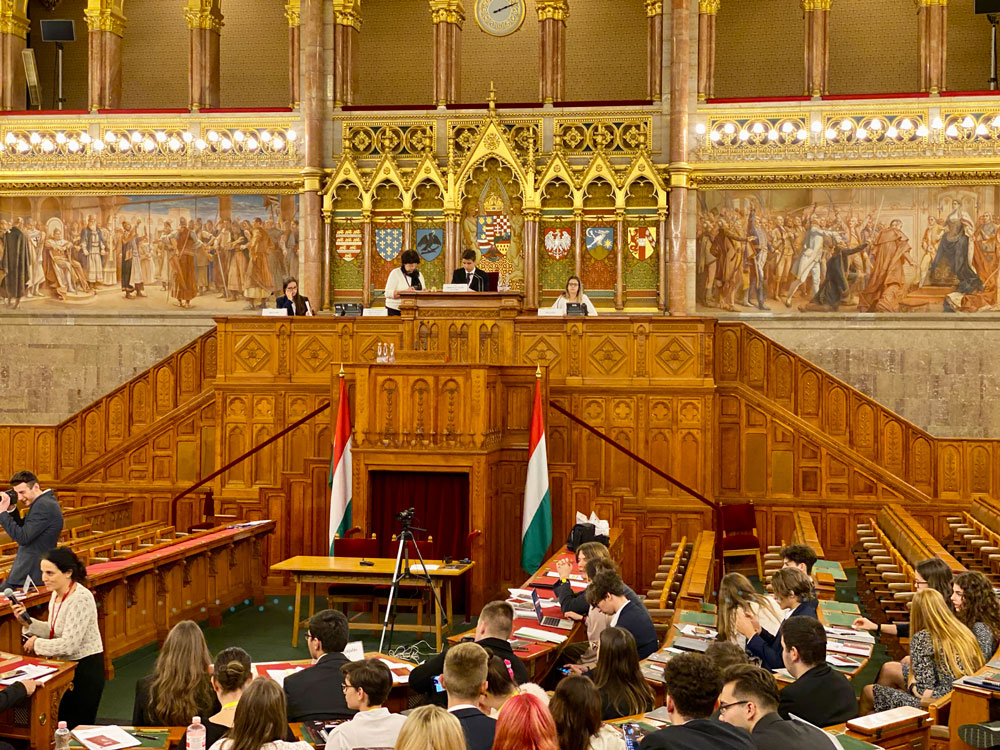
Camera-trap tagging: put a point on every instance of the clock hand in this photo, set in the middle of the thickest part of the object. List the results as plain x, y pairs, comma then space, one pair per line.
509, 5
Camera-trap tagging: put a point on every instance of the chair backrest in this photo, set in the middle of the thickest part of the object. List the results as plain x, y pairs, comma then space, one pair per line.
739, 518
494, 280
355, 547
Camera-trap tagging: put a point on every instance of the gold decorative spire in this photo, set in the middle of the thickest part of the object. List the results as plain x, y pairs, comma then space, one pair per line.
555, 9
709, 7
492, 99
203, 14
14, 18
103, 15
347, 13
293, 12
447, 11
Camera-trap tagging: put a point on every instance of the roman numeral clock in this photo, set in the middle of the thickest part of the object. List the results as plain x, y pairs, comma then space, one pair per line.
500, 17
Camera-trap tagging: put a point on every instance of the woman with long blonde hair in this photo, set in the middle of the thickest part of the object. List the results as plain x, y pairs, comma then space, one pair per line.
180, 686
431, 728
942, 649
736, 594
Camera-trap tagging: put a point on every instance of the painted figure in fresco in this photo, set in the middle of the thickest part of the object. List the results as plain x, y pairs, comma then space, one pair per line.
470, 222
94, 246
928, 248
64, 273
36, 240
516, 251
259, 282
275, 257
984, 255
183, 245
132, 278
952, 264
887, 281
290, 247
726, 249
15, 265
811, 259
841, 274
112, 236
240, 254
757, 252
707, 262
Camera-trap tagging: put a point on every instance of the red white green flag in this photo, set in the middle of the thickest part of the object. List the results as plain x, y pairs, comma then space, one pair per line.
340, 470
536, 525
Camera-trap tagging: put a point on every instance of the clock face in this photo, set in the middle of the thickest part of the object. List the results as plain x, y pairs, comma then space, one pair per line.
500, 17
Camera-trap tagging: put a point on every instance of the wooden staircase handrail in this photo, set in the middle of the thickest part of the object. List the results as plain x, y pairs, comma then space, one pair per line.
678, 555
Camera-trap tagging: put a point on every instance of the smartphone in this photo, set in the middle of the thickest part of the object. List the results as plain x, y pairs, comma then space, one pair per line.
566, 670
438, 687
632, 735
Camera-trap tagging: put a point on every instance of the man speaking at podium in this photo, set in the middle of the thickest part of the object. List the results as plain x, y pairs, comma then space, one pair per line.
36, 533
474, 278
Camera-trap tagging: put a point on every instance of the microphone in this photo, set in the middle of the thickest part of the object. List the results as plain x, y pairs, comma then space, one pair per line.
9, 593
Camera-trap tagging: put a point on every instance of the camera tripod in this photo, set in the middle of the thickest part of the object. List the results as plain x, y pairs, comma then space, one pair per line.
401, 572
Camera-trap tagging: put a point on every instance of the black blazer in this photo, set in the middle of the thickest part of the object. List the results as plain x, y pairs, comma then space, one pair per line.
35, 534
11, 696
478, 727
771, 732
142, 716
316, 693
822, 696
635, 619
480, 281
422, 676
296, 306
571, 601
699, 734
767, 647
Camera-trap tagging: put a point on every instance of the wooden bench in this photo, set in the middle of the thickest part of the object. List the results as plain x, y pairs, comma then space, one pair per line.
696, 585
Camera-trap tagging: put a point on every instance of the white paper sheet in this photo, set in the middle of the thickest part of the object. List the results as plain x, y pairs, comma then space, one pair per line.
105, 738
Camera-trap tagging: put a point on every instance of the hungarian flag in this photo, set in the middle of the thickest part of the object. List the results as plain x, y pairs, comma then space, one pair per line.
340, 469
536, 525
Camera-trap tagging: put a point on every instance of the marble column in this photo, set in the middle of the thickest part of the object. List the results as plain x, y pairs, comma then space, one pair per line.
578, 242
293, 12
654, 50
14, 27
452, 240
347, 26
552, 15
662, 248
620, 259
204, 19
105, 27
932, 27
680, 75
311, 281
447, 17
817, 45
707, 10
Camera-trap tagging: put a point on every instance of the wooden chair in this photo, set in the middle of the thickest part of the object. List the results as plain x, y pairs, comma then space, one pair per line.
79, 532
347, 595
739, 530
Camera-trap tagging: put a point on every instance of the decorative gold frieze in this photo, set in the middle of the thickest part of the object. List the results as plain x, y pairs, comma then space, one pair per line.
14, 18
204, 14
654, 7
293, 12
557, 10
808, 5
105, 15
925, 3
447, 11
347, 13
709, 7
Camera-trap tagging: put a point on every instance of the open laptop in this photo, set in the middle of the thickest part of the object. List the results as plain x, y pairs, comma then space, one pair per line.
549, 622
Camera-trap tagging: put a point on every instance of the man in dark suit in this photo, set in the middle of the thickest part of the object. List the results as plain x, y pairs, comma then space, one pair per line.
749, 700
607, 592
493, 631
464, 679
317, 692
475, 278
35, 533
693, 685
820, 694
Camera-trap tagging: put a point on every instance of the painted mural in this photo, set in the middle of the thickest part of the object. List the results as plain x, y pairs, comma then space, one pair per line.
857, 250
146, 252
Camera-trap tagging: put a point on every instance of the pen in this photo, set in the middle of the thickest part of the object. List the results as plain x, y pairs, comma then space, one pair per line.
144, 736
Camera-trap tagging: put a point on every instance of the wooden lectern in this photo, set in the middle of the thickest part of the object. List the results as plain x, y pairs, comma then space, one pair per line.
448, 304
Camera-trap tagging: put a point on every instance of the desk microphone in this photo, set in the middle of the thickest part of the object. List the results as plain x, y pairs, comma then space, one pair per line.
9, 593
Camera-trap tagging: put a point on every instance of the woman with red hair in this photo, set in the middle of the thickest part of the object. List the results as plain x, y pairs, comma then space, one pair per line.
525, 724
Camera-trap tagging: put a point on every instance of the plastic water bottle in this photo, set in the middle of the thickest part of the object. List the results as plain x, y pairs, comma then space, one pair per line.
196, 735
62, 736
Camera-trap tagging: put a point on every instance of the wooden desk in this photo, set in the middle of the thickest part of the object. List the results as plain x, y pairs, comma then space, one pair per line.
166, 737
696, 587
447, 304
969, 705
330, 570
35, 720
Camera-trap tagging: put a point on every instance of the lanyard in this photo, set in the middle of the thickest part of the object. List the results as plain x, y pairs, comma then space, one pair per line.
55, 614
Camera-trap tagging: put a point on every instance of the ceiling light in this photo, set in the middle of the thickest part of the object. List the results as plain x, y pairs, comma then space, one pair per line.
922, 131
968, 122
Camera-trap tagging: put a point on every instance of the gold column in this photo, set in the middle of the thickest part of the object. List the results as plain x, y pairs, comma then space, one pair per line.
310, 210
817, 45
680, 74
204, 19
452, 240
367, 248
552, 15
447, 16
106, 27
932, 26
662, 248
530, 250
619, 259
293, 11
347, 26
14, 27
578, 242
654, 49
707, 10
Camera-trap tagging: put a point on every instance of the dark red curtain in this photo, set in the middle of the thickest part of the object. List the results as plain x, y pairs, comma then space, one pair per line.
441, 504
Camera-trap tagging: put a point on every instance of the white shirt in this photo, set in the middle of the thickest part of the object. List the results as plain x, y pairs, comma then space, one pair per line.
462, 707
560, 304
77, 634
614, 619
376, 728
398, 282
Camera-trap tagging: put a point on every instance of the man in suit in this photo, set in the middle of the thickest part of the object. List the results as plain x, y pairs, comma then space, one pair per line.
36, 532
693, 685
464, 679
493, 631
475, 278
607, 592
317, 693
820, 694
749, 700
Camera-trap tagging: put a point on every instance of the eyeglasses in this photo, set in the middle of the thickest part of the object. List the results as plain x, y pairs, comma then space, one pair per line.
345, 686
724, 706
309, 635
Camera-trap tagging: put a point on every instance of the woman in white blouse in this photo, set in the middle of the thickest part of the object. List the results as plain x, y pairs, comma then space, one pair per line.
574, 293
71, 634
400, 279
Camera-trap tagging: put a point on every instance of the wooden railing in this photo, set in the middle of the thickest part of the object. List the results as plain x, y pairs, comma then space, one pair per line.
696, 587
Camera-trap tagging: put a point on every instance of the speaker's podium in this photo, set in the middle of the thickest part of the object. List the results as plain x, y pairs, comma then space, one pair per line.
447, 304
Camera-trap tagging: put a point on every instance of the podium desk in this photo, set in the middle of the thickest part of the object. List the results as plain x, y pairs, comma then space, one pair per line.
448, 304
36, 719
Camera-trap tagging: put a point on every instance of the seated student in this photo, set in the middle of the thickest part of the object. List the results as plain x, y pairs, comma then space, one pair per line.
942, 649
749, 700
607, 592
366, 686
793, 590
736, 594
464, 679
180, 686
474, 278
500, 686
978, 609
799, 556
431, 728
493, 631
624, 691
292, 301
259, 723
230, 676
576, 710
820, 694
574, 293
526, 724
407, 276
315, 694
693, 688
574, 605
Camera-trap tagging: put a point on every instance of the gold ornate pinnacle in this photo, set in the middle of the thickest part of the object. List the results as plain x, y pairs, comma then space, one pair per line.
105, 15
926, 3
204, 14
557, 10
293, 12
709, 7
654, 8
447, 11
492, 99
14, 18
347, 13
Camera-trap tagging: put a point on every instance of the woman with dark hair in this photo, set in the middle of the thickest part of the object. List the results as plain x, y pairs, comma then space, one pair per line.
260, 721
180, 686
500, 685
407, 276
574, 293
576, 709
977, 608
71, 634
624, 691
292, 301
230, 676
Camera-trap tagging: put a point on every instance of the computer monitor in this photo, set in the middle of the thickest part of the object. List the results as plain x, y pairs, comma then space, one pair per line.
58, 30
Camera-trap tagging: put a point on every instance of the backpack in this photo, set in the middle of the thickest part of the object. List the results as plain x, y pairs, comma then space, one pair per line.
583, 533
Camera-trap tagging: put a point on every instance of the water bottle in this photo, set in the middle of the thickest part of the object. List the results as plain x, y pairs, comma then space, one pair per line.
62, 736
196, 735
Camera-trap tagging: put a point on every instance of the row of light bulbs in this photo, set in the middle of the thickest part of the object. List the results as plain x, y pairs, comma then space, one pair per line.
847, 126
139, 141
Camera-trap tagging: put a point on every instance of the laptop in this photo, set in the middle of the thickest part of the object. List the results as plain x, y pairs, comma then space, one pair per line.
549, 622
